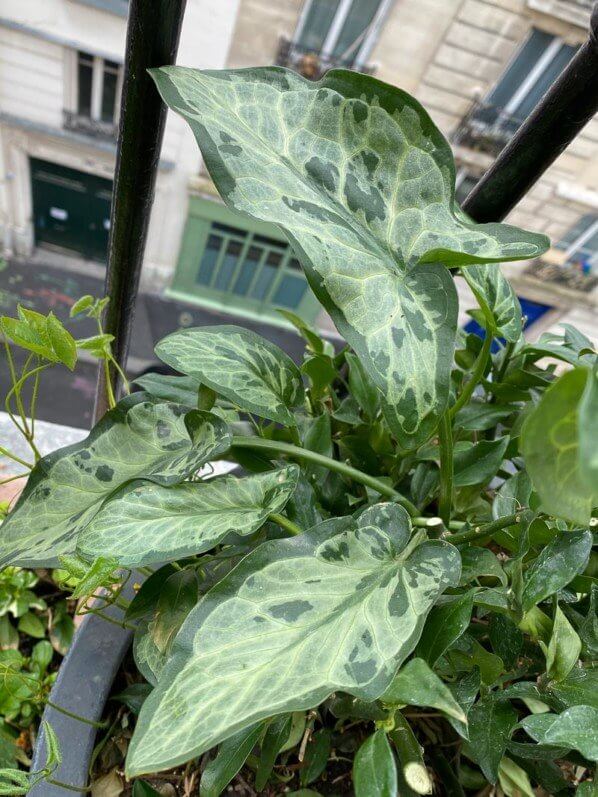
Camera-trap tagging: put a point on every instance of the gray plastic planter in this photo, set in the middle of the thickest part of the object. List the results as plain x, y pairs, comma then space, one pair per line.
83, 686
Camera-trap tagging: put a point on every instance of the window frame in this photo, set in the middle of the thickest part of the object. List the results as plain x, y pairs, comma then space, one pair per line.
97, 87
571, 249
362, 52
198, 227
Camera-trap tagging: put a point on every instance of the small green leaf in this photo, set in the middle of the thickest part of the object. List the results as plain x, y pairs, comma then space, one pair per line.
143, 789
98, 345
479, 463
416, 685
277, 733
133, 696
497, 298
550, 440
514, 781
139, 438
563, 649
316, 757
478, 416
512, 496
177, 598
361, 386
53, 752
478, 562
41, 656
27, 338
231, 756
243, 367
506, 639
445, 624
490, 724
577, 727
147, 523
62, 342
558, 563
81, 305
298, 606
374, 768
31, 625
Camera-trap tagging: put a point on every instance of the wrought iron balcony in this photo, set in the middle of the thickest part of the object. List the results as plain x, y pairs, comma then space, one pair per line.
486, 128
567, 276
312, 64
90, 127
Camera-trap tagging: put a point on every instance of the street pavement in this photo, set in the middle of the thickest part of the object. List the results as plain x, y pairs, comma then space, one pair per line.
67, 398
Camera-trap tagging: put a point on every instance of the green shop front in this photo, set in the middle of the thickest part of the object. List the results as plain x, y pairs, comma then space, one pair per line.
238, 264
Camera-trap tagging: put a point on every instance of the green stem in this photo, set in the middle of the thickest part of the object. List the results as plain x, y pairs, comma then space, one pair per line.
508, 353
285, 523
77, 717
6, 453
476, 376
445, 440
15, 381
481, 533
66, 786
274, 446
424, 522
410, 756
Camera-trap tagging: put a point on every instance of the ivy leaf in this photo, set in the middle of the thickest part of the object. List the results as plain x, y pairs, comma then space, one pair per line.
362, 183
476, 562
445, 624
580, 687
558, 563
512, 496
243, 367
140, 437
563, 649
146, 523
374, 768
417, 685
588, 432
336, 608
490, 724
496, 296
550, 444
577, 727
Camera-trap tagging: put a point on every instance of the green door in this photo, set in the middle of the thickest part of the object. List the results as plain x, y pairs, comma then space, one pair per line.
71, 209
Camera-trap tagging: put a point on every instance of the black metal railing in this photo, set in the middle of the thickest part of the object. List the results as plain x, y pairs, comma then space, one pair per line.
486, 128
90, 127
313, 64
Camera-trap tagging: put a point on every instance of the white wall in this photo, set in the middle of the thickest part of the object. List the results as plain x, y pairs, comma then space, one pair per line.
34, 81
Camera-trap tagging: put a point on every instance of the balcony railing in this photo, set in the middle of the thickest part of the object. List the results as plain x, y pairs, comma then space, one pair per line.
312, 64
90, 127
486, 128
568, 276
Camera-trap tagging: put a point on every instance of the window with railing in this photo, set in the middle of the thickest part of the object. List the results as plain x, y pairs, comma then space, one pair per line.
490, 123
97, 92
333, 33
580, 244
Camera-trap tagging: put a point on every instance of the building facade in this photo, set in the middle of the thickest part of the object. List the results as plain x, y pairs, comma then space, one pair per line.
478, 66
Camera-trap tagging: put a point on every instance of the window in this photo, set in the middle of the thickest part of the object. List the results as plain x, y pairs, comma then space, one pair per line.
580, 243
530, 74
98, 88
245, 266
341, 30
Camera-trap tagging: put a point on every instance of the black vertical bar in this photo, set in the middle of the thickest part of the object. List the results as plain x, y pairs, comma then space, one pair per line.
560, 115
153, 33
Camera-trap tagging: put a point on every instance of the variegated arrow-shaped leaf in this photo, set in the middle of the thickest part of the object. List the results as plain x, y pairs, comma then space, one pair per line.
243, 367
362, 182
497, 298
139, 438
338, 607
145, 523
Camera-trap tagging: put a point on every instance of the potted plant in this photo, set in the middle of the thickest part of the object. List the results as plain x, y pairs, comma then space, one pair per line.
398, 591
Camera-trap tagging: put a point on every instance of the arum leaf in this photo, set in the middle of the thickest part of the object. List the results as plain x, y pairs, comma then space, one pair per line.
177, 597
550, 444
336, 608
145, 523
496, 296
512, 496
558, 563
563, 649
580, 687
445, 624
231, 756
243, 367
162, 443
490, 725
374, 768
577, 727
588, 432
180, 389
476, 562
479, 463
417, 685
362, 183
